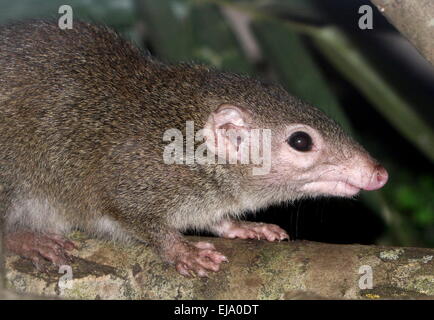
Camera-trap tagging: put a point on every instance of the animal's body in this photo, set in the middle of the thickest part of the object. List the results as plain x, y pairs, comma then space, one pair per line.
82, 119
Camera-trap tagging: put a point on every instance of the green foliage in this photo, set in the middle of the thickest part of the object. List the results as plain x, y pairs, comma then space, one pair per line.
186, 31
417, 200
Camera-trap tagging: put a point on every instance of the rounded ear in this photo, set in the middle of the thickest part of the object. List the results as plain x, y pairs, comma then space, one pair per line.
228, 116
228, 130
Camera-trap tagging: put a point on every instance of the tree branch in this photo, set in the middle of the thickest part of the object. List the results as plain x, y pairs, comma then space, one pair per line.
414, 19
257, 270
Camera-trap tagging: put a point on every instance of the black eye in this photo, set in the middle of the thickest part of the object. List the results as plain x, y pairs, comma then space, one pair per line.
300, 141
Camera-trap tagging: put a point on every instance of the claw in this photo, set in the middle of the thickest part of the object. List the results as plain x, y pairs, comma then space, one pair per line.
196, 259
251, 230
40, 248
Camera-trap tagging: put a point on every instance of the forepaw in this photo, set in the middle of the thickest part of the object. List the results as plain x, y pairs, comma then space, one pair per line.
40, 248
198, 258
251, 230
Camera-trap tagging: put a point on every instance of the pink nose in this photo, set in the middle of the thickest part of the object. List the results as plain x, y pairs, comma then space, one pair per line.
378, 179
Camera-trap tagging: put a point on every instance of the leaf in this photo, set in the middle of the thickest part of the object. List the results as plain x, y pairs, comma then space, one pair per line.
182, 30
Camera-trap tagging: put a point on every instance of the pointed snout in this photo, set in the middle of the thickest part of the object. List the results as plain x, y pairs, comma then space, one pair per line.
378, 179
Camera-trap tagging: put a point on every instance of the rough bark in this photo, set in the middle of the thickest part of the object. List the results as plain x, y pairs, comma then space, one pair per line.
257, 270
414, 19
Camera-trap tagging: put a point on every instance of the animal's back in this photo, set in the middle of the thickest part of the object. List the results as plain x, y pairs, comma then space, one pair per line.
67, 89
71, 101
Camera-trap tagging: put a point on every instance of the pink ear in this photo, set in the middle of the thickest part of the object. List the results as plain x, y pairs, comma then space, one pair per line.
229, 116
228, 127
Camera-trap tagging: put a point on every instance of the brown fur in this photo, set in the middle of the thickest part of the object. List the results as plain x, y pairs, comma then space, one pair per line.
82, 115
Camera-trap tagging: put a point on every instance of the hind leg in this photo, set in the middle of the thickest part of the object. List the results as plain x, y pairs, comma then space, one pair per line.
22, 217
39, 248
